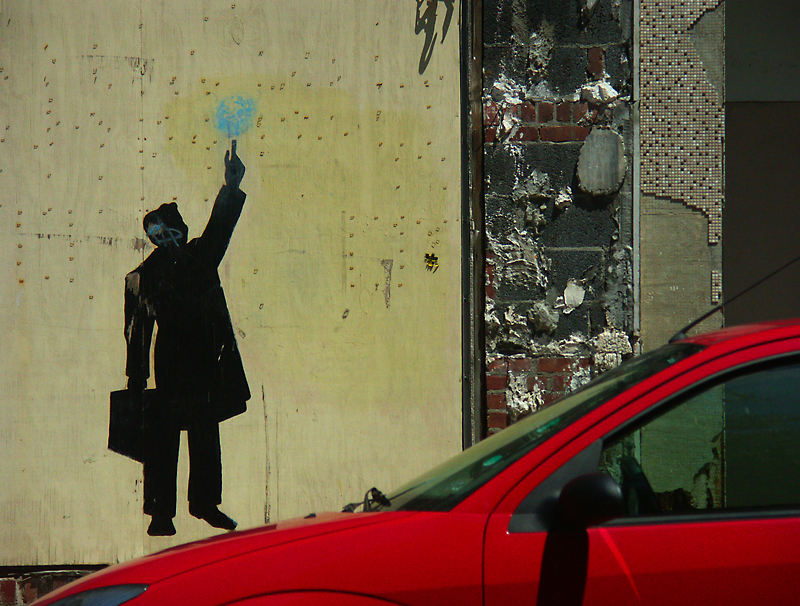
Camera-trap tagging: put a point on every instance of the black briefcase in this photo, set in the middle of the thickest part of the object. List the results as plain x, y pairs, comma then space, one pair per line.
126, 422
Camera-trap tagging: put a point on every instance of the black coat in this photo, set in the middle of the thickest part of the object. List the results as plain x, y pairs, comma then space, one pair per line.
198, 368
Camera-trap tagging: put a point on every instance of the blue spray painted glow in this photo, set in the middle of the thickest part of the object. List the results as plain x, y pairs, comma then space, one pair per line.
235, 115
162, 235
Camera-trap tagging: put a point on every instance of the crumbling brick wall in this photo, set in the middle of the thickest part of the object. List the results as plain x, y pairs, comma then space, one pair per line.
19, 587
558, 141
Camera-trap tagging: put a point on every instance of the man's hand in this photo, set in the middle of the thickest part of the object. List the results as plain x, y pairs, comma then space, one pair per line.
234, 168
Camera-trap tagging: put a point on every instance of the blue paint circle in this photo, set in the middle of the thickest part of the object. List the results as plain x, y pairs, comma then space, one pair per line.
235, 115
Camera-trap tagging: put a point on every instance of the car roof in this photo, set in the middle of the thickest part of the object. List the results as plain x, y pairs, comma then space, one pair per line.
763, 331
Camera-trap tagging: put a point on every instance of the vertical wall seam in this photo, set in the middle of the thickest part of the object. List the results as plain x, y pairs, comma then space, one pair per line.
637, 173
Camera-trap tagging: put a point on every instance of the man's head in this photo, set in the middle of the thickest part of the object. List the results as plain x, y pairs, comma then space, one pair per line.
165, 226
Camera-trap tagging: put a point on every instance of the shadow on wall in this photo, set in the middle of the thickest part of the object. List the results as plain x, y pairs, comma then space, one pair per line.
426, 22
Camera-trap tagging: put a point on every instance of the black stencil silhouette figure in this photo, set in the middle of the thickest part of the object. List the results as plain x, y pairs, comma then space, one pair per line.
199, 376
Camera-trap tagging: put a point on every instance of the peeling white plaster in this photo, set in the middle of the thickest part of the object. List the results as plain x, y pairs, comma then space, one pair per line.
531, 194
574, 294
490, 316
534, 217
540, 49
512, 318
507, 94
509, 125
542, 92
535, 185
599, 93
580, 377
618, 295
564, 198
573, 347
521, 261
514, 329
609, 348
543, 317
520, 401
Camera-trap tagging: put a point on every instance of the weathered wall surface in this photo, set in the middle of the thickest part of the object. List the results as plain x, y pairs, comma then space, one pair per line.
558, 160
682, 164
347, 119
761, 144
676, 262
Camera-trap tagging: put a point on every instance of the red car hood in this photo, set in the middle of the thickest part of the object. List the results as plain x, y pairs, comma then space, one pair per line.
183, 558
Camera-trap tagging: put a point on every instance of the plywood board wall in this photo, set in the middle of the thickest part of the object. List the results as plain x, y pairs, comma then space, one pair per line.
347, 120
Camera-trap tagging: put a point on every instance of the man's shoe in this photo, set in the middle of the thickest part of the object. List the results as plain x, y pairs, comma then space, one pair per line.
213, 516
161, 526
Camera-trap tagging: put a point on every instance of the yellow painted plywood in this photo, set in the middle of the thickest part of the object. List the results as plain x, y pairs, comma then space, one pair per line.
350, 342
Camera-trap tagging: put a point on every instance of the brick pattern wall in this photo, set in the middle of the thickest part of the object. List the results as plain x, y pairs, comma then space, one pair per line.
550, 121
553, 72
541, 121
17, 589
546, 379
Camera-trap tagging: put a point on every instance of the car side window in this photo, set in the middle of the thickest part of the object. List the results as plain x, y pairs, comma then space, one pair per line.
734, 444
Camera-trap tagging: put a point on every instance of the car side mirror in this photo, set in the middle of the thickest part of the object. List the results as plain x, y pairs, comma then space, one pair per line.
589, 500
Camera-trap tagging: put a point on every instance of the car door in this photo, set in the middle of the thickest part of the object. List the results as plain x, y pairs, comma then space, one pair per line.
711, 484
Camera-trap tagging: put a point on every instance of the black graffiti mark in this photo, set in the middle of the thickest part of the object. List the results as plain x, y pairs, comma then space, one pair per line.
199, 375
431, 262
426, 22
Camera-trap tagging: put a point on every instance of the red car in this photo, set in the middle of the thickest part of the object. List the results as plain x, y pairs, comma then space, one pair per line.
672, 479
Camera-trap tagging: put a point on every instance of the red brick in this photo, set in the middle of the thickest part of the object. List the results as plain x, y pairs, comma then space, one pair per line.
564, 111
546, 112
489, 113
558, 383
490, 292
498, 365
539, 381
519, 364
8, 592
489, 269
527, 112
59, 582
596, 67
496, 402
526, 133
556, 134
579, 133
579, 111
584, 362
553, 364
30, 593
497, 382
490, 135
497, 420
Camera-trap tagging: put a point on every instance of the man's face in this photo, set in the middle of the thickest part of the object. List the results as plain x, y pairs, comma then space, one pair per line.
162, 235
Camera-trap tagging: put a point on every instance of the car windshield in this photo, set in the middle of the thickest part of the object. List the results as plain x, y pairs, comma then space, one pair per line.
446, 485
